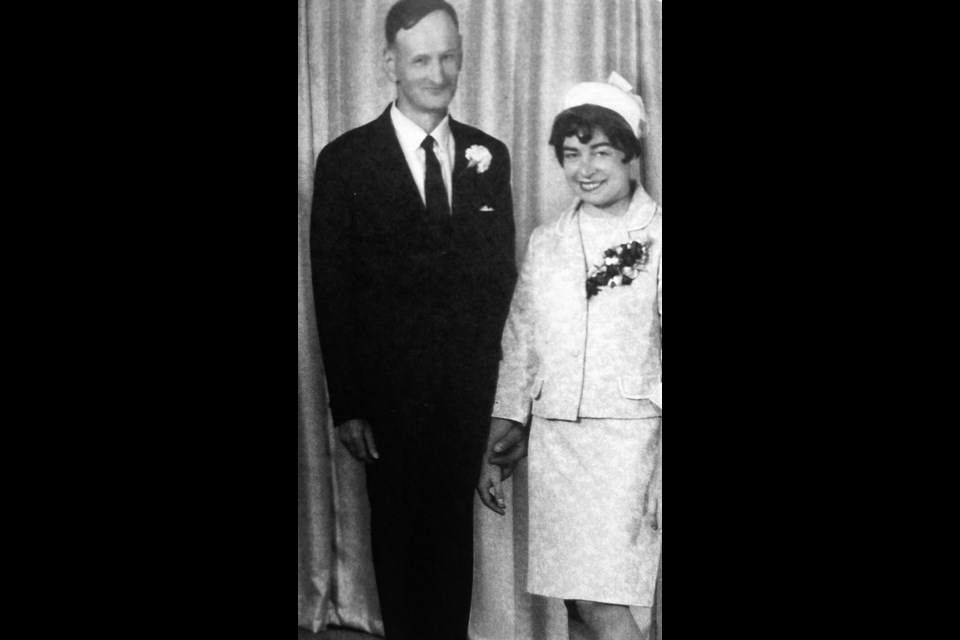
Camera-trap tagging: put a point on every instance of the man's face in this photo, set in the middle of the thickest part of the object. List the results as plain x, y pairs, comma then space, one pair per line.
424, 62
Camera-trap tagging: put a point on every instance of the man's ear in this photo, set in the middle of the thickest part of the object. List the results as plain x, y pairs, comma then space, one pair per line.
390, 63
459, 53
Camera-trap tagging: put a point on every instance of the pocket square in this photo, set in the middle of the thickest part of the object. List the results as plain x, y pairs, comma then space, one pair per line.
486, 208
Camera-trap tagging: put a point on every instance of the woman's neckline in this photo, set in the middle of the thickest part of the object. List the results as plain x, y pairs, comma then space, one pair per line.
596, 213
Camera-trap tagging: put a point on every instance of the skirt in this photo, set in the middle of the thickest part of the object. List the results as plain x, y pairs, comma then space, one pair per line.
592, 535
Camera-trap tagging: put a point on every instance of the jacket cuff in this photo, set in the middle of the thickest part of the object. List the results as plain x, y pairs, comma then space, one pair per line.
657, 396
515, 410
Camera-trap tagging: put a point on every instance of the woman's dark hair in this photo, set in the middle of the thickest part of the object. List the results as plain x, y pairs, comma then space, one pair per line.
407, 13
583, 121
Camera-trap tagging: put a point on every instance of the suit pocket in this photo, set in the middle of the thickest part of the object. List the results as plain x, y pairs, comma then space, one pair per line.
638, 387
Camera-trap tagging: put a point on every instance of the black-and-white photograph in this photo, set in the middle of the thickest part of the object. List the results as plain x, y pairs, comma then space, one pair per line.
480, 320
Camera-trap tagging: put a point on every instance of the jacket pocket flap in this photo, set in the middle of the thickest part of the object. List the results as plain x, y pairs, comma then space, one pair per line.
638, 387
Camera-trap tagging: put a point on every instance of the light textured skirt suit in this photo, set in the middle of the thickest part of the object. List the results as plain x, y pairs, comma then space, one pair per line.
590, 373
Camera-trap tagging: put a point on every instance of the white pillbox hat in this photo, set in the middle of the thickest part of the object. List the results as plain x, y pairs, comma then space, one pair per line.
615, 94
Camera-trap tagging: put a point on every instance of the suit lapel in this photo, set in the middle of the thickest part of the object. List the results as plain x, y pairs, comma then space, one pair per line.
462, 183
392, 167
462, 143
574, 258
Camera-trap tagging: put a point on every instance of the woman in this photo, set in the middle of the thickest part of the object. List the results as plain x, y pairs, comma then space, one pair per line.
583, 356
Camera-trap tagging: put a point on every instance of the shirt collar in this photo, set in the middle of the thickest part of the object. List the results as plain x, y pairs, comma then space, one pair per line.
411, 135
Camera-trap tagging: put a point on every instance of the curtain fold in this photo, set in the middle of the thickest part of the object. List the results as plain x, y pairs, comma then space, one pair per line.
520, 56
650, 82
314, 491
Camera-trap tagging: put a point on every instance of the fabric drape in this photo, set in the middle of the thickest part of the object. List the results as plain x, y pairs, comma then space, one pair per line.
520, 56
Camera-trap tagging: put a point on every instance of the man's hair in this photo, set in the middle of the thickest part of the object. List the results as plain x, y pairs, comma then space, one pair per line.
583, 121
407, 13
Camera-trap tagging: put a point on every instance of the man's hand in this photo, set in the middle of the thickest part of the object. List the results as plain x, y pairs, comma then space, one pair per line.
510, 449
490, 489
357, 437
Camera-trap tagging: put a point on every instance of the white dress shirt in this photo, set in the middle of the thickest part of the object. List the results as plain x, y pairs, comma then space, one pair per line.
411, 136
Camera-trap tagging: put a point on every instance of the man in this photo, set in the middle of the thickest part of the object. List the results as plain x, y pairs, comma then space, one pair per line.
413, 268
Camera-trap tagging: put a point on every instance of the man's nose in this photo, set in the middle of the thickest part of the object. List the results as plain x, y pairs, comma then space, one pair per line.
435, 72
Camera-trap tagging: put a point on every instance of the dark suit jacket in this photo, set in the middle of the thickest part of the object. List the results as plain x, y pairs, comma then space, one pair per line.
409, 318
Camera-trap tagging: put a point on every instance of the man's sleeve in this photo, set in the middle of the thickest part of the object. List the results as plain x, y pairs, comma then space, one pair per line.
331, 243
505, 257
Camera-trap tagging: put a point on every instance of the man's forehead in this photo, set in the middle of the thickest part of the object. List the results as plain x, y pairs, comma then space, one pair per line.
435, 30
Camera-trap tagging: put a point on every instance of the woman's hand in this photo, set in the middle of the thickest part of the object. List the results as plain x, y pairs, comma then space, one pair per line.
506, 446
510, 449
490, 489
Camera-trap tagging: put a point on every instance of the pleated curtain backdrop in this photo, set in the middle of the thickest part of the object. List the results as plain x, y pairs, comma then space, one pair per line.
520, 56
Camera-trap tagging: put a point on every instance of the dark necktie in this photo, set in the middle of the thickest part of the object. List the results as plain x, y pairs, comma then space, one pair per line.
438, 207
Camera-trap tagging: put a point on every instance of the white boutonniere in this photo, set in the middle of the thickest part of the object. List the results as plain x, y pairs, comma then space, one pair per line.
479, 157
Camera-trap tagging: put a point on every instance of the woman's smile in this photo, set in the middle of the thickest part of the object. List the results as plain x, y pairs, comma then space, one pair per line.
591, 186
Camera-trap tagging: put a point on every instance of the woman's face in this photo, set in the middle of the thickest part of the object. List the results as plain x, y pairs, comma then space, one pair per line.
595, 171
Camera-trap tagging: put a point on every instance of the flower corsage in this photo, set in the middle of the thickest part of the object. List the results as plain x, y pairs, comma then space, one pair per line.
479, 157
621, 266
